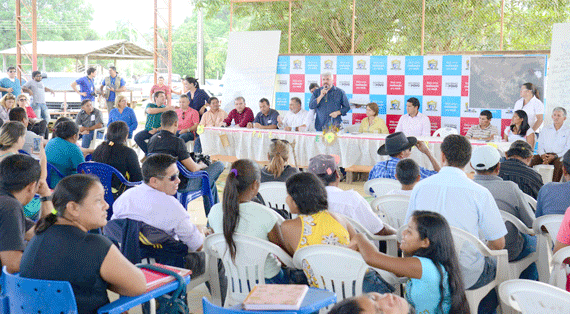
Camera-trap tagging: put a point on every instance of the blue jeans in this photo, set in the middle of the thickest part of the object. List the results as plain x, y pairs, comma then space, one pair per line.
188, 136
197, 146
531, 272
373, 282
141, 138
41, 111
86, 139
490, 302
214, 171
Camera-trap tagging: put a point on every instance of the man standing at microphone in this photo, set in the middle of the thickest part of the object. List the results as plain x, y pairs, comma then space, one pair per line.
329, 103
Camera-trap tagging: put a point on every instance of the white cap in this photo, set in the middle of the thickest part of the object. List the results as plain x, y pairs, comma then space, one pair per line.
484, 157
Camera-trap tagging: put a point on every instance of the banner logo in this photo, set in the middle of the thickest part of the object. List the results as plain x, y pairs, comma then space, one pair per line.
467, 64
432, 64
431, 105
395, 104
328, 65
297, 64
361, 65
467, 108
396, 65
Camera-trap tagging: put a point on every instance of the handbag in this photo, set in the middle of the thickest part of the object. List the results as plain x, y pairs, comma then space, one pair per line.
174, 302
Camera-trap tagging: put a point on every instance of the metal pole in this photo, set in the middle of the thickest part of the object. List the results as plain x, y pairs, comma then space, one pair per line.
353, 25
231, 14
423, 25
200, 48
19, 40
502, 23
289, 42
155, 50
169, 43
34, 36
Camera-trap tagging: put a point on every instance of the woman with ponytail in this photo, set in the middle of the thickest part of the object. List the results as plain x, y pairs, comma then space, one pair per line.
278, 169
63, 249
198, 97
115, 153
238, 214
531, 104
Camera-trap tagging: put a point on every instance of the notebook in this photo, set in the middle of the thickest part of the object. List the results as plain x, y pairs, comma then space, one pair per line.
155, 279
275, 297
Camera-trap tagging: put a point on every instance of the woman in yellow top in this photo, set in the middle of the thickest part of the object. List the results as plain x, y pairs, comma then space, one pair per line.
307, 197
373, 123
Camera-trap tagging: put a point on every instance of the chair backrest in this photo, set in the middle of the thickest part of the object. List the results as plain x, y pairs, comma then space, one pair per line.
443, 132
37, 296
549, 222
521, 227
528, 296
545, 171
322, 265
105, 174
209, 308
248, 268
391, 209
125, 234
391, 240
205, 190
381, 186
274, 195
53, 174
531, 201
560, 260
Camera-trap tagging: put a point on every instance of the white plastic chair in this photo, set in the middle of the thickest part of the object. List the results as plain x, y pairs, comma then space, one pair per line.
336, 268
274, 195
381, 186
559, 274
391, 241
391, 209
546, 229
190, 146
249, 266
545, 171
443, 132
100, 132
531, 201
517, 267
462, 238
531, 297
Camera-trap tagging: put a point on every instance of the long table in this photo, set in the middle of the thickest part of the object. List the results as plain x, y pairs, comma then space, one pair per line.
357, 151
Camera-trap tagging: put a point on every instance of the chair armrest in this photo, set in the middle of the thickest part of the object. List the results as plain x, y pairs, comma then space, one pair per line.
517, 222
561, 255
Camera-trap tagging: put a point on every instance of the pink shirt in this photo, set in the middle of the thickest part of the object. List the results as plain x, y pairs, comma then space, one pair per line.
187, 118
416, 126
564, 231
165, 88
30, 112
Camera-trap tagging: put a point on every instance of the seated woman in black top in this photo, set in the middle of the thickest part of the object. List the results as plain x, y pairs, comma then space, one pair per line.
113, 152
278, 169
63, 250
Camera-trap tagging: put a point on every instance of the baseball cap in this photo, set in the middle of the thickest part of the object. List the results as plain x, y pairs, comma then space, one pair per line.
323, 164
484, 157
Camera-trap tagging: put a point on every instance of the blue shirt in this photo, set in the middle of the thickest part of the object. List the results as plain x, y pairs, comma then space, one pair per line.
7, 83
334, 100
424, 293
265, 120
553, 199
86, 85
64, 155
199, 100
112, 84
128, 116
387, 169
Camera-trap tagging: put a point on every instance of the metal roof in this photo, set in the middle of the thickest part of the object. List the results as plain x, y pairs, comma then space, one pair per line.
93, 49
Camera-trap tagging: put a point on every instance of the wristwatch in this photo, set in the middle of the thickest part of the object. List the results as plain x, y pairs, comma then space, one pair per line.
45, 198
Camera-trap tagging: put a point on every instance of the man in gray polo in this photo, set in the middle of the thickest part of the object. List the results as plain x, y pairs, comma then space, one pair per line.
88, 119
36, 88
266, 118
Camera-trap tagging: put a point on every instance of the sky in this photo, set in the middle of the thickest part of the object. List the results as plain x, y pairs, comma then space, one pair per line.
139, 13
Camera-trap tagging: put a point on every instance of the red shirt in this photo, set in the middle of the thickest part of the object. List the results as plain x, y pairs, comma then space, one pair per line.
165, 88
242, 119
31, 113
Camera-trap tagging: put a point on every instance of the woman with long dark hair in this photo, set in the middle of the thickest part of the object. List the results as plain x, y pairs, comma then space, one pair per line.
115, 153
435, 284
520, 129
62, 150
63, 250
198, 97
531, 104
238, 214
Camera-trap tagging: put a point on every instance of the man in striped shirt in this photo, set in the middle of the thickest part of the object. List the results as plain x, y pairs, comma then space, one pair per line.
484, 130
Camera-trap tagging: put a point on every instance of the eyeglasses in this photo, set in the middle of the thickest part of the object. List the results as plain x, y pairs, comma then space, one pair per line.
11, 71
273, 140
23, 99
172, 178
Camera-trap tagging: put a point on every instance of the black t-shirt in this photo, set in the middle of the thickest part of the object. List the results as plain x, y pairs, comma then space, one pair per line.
66, 253
12, 223
269, 177
123, 159
164, 142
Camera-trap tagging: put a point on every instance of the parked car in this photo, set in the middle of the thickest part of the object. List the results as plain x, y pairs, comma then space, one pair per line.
142, 86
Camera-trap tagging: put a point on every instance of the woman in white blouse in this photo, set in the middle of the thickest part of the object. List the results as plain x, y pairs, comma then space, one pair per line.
519, 129
531, 104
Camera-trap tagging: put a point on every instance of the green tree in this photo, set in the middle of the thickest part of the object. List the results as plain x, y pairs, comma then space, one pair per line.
122, 31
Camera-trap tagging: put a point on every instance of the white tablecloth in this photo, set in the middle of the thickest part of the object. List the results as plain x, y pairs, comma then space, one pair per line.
353, 149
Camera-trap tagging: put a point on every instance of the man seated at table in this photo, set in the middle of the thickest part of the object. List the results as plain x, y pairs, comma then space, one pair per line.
398, 146
553, 143
266, 118
88, 119
408, 174
414, 123
484, 130
348, 203
294, 118
153, 111
553, 198
214, 117
188, 119
242, 115
166, 142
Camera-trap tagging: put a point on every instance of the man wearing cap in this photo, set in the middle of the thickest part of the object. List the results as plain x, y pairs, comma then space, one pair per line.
329, 103
509, 198
349, 203
398, 146
553, 198
466, 205
516, 168
112, 84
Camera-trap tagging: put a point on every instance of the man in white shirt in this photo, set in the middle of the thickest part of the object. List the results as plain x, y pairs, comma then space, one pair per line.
294, 118
348, 203
466, 205
414, 123
553, 143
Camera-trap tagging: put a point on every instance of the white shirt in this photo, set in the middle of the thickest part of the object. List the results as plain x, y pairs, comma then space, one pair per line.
399, 192
353, 205
466, 205
532, 108
310, 121
160, 210
414, 126
553, 141
511, 137
294, 120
